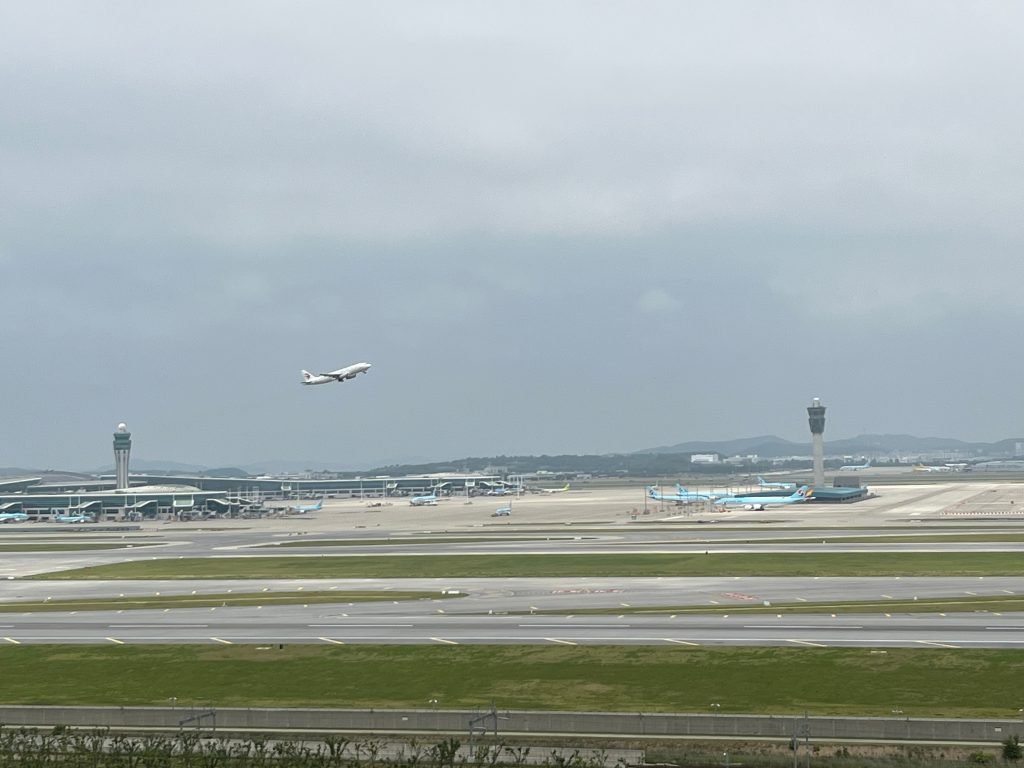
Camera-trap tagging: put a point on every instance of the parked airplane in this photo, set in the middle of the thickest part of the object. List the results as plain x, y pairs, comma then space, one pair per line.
711, 493
303, 508
342, 374
502, 512
73, 519
683, 496
781, 486
13, 517
855, 467
802, 494
430, 500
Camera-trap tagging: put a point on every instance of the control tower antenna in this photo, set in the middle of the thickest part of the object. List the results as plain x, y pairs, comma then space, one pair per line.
816, 418
122, 448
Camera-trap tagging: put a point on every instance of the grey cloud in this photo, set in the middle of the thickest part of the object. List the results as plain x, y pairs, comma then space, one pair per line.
553, 227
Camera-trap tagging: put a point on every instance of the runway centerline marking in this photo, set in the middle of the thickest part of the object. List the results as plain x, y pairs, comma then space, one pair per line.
156, 626
359, 625
578, 626
796, 626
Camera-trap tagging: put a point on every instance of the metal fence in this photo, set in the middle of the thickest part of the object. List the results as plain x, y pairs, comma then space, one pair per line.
210, 718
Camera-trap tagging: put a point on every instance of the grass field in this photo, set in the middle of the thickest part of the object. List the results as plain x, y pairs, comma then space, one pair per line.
952, 538
225, 600
406, 540
933, 682
992, 604
501, 565
67, 546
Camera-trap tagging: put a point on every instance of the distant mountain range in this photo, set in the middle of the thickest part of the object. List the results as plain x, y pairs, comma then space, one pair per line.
765, 446
772, 446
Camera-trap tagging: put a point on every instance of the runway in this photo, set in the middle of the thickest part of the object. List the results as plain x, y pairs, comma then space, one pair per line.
498, 610
297, 625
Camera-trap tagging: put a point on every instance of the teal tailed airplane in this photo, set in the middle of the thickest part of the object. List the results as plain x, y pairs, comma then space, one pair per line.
762, 483
682, 495
13, 517
802, 494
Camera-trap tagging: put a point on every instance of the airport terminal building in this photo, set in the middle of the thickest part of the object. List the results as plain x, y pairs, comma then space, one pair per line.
126, 496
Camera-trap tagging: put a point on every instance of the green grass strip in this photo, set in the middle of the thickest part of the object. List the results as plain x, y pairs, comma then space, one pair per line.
926, 682
993, 604
68, 547
951, 538
409, 540
503, 565
226, 600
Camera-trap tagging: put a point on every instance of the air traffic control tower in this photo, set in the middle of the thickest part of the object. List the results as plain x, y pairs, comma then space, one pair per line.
816, 418
122, 448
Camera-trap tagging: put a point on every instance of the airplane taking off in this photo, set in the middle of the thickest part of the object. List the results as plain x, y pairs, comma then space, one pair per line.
802, 494
931, 468
781, 486
855, 467
430, 500
342, 374
301, 509
13, 517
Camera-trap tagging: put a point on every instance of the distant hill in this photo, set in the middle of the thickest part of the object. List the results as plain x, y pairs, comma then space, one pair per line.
161, 465
772, 446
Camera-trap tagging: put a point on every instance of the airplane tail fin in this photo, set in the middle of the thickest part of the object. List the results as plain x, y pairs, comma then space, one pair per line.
306, 375
802, 492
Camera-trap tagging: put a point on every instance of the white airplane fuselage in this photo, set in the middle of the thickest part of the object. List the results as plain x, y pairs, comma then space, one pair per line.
342, 374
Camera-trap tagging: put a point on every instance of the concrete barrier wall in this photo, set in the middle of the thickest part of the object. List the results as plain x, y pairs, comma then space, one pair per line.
540, 723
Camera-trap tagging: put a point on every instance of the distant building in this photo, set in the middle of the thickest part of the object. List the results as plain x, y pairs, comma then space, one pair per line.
705, 458
750, 458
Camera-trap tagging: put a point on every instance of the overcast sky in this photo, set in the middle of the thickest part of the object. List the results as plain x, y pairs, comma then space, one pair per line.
552, 227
